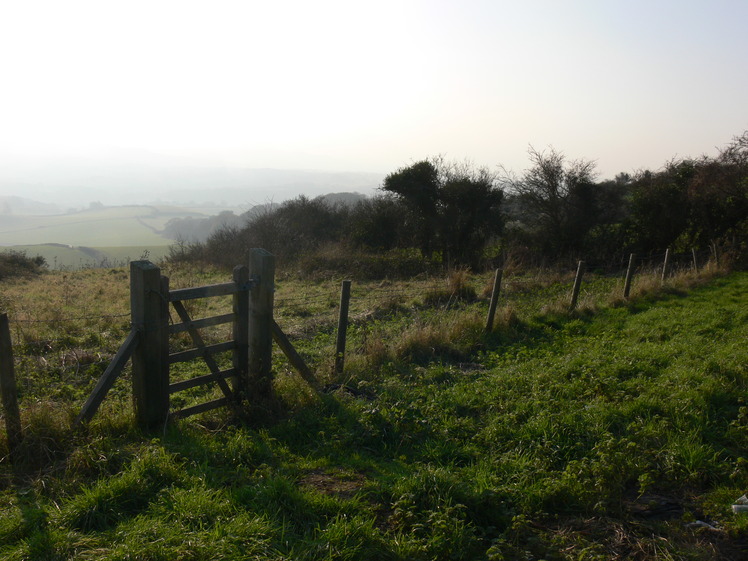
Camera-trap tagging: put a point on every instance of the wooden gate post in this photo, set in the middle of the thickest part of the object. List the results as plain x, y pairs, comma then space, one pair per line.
345, 297
8, 390
241, 332
629, 276
577, 285
494, 299
666, 266
259, 377
149, 305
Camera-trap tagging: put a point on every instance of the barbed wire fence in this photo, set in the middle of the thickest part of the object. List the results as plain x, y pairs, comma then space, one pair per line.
60, 358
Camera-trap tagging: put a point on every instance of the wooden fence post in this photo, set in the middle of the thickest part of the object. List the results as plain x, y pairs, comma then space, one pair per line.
494, 299
8, 389
695, 262
666, 266
577, 285
629, 276
259, 376
149, 304
345, 297
241, 332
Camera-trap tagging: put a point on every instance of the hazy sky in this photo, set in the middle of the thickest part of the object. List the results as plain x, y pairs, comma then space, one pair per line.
371, 86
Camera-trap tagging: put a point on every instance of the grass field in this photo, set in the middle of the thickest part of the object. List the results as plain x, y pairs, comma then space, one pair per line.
97, 237
117, 226
59, 256
619, 431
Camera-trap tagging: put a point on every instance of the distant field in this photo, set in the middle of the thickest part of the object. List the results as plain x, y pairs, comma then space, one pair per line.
122, 226
60, 256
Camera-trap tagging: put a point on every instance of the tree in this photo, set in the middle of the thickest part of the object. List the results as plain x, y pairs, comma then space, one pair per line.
660, 208
378, 223
455, 207
607, 240
417, 187
470, 211
692, 202
289, 230
718, 194
557, 201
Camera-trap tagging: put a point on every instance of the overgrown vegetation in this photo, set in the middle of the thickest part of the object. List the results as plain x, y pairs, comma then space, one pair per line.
18, 263
454, 214
606, 433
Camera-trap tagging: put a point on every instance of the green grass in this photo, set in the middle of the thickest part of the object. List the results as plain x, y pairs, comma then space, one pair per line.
118, 226
63, 257
110, 226
599, 434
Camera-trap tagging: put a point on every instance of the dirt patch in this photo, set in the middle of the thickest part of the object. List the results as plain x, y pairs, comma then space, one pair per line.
656, 507
340, 484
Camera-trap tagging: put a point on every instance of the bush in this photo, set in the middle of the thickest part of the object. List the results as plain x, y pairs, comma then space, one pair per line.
17, 264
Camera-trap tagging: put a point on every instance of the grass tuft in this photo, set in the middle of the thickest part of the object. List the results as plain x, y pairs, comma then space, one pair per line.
110, 501
456, 289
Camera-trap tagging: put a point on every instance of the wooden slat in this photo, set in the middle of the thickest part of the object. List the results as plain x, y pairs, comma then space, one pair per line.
200, 323
223, 289
201, 352
200, 344
240, 332
200, 408
293, 357
200, 380
108, 377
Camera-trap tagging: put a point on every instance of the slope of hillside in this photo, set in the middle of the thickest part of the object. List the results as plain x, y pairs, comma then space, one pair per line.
61, 256
107, 226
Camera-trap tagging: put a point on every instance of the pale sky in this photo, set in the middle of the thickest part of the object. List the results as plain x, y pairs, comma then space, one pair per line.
371, 85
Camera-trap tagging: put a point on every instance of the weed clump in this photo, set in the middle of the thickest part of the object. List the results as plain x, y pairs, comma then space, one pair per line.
18, 264
47, 437
456, 289
113, 500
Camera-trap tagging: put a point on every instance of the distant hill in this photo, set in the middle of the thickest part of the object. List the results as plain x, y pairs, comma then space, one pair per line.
157, 182
10, 205
343, 198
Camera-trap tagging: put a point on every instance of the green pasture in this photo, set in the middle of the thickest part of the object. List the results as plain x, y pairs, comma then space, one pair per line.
65, 257
619, 431
110, 226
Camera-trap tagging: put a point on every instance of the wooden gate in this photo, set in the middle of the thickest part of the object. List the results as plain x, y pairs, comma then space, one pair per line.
238, 346
253, 331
